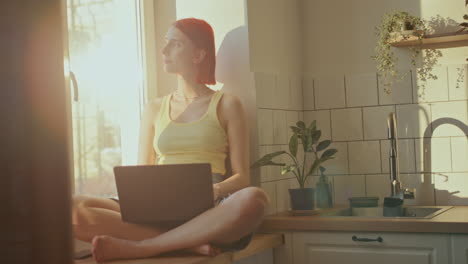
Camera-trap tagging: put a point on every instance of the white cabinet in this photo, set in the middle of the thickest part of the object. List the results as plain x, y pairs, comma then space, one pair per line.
459, 249
402, 248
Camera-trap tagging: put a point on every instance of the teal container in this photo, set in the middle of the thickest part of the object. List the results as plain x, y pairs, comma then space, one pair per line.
323, 195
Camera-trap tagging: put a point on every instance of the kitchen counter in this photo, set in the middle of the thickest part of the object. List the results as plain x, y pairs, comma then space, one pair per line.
454, 220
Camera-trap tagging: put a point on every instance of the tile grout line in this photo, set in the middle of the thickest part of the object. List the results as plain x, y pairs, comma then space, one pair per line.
365, 185
331, 131
368, 106
362, 122
377, 85
345, 93
381, 160
373, 140
451, 155
373, 174
415, 155
448, 83
412, 87
347, 159
313, 94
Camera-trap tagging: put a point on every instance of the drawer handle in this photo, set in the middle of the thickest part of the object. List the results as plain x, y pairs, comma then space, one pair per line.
355, 238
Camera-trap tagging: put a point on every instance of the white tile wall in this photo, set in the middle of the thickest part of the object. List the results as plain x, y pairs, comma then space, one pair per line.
283, 198
401, 92
266, 90
375, 122
406, 154
265, 126
361, 89
459, 154
282, 93
458, 81
269, 173
435, 90
454, 110
424, 185
348, 186
346, 124
308, 91
378, 185
270, 189
261, 94
338, 165
412, 120
360, 134
291, 119
322, 118
440, 155
266, 172
364, 157
329, 92
296, 93
280, 129
451, 188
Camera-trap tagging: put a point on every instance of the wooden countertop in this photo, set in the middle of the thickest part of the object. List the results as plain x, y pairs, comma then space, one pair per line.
454, 220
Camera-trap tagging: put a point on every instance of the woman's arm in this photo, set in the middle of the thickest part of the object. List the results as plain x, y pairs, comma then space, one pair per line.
234, 120
146, 153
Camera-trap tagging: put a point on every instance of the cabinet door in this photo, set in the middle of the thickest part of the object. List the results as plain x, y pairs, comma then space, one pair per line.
339, 247
459, 249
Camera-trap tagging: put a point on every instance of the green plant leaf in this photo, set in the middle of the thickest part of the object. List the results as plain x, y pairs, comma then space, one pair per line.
295, 130
293, 145
328, 154
272, 163
301, 125
313, 125
266, 160
314, 167
307, 142
316, 136
323, 145
288, 168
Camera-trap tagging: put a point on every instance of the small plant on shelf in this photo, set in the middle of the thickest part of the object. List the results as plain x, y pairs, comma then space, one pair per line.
399, 26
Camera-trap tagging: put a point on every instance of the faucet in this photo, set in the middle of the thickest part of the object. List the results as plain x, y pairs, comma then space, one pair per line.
395, 184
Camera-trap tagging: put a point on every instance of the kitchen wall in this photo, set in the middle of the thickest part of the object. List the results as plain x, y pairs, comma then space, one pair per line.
310, 60
341, 90
276, 49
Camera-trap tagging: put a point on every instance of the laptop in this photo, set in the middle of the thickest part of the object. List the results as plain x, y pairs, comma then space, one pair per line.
164, 194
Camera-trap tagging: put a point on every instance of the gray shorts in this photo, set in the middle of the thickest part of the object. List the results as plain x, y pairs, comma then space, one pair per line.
240, 244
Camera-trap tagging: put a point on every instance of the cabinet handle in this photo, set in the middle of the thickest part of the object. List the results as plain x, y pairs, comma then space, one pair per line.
355, 238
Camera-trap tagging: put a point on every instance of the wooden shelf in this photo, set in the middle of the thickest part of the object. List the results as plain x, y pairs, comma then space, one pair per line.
439, 41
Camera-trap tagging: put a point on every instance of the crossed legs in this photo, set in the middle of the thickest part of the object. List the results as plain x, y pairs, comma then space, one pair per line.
237, 216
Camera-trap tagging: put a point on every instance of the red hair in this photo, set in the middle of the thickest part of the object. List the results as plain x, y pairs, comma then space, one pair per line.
202, 35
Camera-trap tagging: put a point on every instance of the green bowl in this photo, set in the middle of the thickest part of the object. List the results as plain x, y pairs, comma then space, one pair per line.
363, 202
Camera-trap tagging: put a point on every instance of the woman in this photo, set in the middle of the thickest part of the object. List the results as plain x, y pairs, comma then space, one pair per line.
193, 124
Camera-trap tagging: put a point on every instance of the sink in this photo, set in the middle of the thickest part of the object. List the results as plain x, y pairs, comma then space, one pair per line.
409, 212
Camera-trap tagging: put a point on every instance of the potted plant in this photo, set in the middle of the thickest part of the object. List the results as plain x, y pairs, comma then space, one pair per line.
315, 153
396, 26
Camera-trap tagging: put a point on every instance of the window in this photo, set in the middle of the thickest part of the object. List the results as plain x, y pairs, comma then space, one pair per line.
105, 57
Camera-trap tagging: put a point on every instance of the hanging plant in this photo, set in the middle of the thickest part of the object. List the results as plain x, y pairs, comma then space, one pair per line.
397, 26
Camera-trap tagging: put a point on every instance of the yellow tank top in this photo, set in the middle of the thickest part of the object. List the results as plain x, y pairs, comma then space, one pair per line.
201, 141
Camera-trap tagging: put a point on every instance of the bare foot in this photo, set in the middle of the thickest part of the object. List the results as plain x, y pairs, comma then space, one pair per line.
108, 248
206, 250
